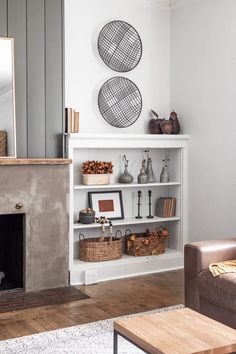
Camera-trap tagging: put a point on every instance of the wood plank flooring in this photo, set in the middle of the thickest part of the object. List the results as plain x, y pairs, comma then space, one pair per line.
20, 300
107, 300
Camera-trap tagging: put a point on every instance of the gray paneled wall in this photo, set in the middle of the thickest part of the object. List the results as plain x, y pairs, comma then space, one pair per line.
17, 30
37, 27
3, 17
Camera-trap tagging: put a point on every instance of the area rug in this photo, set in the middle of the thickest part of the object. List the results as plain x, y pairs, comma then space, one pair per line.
20, 300
91, 338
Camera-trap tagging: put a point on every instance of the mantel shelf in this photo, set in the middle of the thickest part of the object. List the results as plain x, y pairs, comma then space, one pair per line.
122, 185
38, 161
127, 221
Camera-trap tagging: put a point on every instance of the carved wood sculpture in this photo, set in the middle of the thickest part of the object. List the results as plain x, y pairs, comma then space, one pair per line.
175, 123
162, 126
166, 127
154, 124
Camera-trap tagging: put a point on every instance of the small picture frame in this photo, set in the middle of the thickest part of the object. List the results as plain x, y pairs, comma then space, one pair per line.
108, 204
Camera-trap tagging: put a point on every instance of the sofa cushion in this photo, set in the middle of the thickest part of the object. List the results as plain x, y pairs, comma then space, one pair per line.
220, 290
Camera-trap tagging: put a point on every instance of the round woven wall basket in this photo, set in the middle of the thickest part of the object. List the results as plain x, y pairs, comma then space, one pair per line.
120, 102
120, 46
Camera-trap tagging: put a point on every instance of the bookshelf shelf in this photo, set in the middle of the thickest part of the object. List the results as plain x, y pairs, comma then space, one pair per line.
124, 186
111, 147
128, 221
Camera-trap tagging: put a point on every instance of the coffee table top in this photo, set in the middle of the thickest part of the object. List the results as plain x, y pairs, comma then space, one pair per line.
178, 332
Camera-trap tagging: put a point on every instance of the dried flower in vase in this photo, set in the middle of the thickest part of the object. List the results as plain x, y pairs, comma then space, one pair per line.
97, 167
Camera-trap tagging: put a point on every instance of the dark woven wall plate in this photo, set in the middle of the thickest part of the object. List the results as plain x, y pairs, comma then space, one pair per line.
120, 46
120, 102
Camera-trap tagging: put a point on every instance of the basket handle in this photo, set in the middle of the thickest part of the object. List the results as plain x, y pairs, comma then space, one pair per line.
81, 237
118, 232
128, 232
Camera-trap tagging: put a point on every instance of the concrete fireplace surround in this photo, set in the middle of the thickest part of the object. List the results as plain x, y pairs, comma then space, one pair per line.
40, 188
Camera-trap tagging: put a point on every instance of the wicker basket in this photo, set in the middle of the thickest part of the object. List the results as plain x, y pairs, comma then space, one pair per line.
98, 249
146, 244
3, 143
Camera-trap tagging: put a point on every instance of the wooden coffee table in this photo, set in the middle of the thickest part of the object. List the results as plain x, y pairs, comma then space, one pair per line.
176, 332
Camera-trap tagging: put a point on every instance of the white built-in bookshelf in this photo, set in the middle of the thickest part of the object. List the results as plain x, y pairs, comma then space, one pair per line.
111, 147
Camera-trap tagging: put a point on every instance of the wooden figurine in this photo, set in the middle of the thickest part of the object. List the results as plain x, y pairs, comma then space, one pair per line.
175, 123
166, 127
154, 124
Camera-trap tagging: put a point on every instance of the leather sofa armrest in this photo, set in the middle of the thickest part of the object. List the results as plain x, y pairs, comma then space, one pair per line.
197, 257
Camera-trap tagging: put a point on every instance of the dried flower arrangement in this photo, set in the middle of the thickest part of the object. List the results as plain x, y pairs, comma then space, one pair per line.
97, 167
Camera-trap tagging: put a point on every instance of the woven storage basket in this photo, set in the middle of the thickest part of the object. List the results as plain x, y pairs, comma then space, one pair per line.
146, 244
3, 143
95, 250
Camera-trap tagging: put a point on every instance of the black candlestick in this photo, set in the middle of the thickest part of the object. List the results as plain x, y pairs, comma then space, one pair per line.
150, 205
139, 205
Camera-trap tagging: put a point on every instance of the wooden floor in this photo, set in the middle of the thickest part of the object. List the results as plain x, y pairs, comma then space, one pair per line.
107, 300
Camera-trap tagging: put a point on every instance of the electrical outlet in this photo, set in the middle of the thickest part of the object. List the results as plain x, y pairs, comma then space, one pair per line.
90, 276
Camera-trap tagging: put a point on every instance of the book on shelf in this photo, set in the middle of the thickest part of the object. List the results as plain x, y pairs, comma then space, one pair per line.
71, 120
76, 122
166, 207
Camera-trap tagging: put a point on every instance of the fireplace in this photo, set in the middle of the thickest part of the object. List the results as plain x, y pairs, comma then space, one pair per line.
35, 219
11, 251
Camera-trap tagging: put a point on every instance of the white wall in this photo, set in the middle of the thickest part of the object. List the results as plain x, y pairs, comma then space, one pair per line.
201, 70
203, 77
85, 72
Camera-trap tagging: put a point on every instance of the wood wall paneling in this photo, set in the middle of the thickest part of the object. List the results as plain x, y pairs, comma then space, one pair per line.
54, 77
17, 30
36, 77
37, 27
3, 18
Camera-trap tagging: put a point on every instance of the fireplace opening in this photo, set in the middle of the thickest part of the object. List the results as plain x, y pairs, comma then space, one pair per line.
11, 251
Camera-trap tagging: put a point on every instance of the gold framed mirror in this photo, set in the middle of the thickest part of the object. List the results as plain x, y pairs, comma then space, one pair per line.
7, 99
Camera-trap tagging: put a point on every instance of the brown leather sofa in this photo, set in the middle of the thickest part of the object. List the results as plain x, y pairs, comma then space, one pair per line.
213, 297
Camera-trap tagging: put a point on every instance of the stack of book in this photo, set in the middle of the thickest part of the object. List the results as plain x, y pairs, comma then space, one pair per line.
71, 121
166, 207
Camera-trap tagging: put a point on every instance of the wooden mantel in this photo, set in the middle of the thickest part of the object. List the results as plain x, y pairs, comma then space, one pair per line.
52, 161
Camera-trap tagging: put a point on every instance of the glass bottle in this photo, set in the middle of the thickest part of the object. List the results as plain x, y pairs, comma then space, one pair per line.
164, 176
149, 171
126, 176
142, 177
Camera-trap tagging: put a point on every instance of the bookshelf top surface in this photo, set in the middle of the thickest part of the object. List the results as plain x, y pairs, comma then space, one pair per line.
126, 141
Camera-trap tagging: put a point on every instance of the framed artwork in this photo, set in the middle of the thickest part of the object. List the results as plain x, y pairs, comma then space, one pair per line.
108, 204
